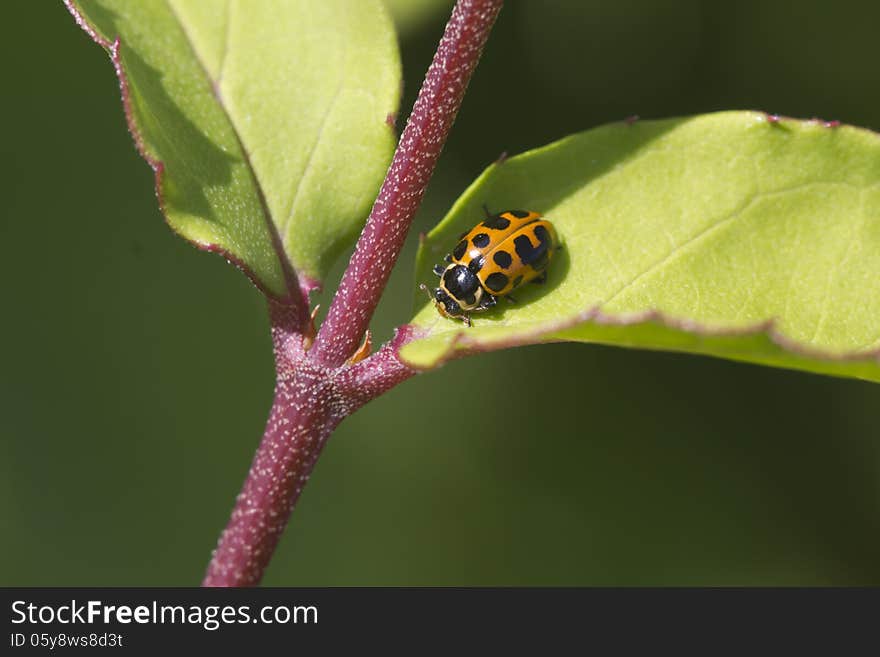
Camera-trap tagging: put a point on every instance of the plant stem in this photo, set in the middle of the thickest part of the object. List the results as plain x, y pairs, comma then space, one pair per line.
316, 389
310, 401
300, 420
417, 153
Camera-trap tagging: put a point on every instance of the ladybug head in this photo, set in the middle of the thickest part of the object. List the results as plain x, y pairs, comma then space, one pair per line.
446, 304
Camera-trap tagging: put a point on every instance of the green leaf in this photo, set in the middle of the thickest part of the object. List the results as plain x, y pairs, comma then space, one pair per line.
267, 122
734, 234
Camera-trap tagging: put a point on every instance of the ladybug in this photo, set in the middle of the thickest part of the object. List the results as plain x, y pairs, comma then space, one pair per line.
491, 260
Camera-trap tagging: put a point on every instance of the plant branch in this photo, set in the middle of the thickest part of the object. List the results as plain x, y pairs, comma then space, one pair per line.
420, 145
310, 401
315, 388
380, 372
302, 417
295, 434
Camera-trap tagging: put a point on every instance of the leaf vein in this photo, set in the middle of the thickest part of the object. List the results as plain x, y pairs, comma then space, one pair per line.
314, 149
707, 231
267, 215
225, 51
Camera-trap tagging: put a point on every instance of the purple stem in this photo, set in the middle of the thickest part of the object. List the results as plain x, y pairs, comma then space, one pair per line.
417, 153
315, 388
310, 401
298, 425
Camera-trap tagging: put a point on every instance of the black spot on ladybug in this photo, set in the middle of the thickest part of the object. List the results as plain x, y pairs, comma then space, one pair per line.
544, 238
496, 281
471, 300
481, 240
519, 214
517, 281
536, 256
503, 259
476, 264
459, 250
497, 222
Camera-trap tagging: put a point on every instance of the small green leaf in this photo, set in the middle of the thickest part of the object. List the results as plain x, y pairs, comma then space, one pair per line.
267, 122
734, 234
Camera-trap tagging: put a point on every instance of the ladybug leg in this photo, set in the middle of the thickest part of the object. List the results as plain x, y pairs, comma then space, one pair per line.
486, 210
438, 270
488, 301
509, 298
540, 280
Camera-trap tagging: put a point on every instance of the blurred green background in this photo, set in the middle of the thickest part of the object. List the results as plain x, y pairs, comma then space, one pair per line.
136, 373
